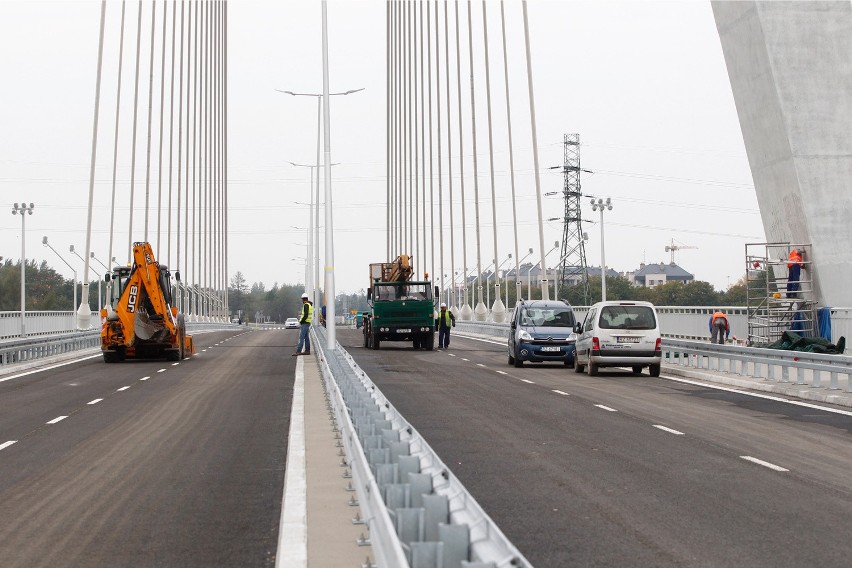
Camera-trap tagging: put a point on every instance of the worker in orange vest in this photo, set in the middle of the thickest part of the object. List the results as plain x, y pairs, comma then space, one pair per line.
794, 274
719, 327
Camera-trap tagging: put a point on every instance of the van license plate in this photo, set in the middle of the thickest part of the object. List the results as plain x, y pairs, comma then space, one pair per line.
551, 348
628, 340
403, 331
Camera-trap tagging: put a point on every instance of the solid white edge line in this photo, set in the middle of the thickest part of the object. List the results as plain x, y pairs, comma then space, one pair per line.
758, 395
667, 429
293, 528
5, 445
764, 463
4, 379
57, 419
97, 400
607, 408
561, 392
122, 389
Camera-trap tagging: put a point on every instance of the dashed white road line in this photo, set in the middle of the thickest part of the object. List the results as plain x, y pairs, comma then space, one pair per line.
764, 463
527, 381
480, 365
175, 364
5, 445
503, 372
161, 370
144, 378
122, 389
669, 430
97, 400
607, 408
451, 354
57, 419
561, 392
463, 359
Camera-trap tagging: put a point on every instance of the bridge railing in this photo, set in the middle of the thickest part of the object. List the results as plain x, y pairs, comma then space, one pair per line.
418, 513
31, 348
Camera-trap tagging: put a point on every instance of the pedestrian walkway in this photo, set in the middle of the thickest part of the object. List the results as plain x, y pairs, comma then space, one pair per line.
786, 389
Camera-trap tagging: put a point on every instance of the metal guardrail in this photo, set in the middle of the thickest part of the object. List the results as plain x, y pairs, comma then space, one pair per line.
760, 363
39, 347
418, 513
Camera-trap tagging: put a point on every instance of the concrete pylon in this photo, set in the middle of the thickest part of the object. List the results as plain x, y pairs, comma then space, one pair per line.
498, 309
791, 75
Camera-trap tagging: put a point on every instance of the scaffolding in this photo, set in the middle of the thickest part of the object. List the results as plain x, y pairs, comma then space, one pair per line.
572, 265
776, 303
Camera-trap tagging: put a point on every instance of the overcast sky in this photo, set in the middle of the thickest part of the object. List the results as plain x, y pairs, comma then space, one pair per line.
643, 83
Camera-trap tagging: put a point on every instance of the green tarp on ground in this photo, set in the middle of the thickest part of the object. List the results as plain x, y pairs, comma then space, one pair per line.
792, 341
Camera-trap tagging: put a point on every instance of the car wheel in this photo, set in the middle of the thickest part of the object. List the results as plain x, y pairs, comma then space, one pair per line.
511, 360
518, 361
578, 368
637, 369
593, 369
654, 370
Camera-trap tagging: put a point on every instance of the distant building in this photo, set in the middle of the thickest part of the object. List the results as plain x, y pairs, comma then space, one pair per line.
652, 275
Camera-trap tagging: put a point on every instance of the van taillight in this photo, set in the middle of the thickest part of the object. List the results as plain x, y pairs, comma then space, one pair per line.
657, 344
596, 344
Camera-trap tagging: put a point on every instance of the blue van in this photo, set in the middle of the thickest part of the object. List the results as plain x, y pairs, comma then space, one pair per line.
542, 331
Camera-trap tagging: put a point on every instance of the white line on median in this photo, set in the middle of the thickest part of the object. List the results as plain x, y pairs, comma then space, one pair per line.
57, 419
122, 389
764, 463
669, 430
5, 445
97, 400
293, 530
561, 392
608, 409
4, 379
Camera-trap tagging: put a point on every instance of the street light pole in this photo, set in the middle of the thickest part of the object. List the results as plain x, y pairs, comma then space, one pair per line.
518, 284
29, 211
601, 204
74, 272
100, 303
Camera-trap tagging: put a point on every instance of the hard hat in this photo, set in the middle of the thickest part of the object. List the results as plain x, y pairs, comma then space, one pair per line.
443, 305
305, 296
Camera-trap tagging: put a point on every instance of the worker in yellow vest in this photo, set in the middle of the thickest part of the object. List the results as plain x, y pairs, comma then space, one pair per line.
305, 327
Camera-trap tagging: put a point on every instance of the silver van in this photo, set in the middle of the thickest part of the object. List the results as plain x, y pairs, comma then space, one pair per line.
619, 334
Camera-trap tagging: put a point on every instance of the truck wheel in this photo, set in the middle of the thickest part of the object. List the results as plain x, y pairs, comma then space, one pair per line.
416, 343
377, 343
111, 357
430, 342
366, 341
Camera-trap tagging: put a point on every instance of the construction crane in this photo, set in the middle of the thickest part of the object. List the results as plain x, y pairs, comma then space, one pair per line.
673, 247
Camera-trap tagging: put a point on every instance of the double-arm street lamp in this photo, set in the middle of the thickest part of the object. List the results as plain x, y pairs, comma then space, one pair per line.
600, 204
22, 209
74, 272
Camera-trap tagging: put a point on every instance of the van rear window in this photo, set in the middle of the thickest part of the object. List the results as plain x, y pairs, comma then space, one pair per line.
627, 317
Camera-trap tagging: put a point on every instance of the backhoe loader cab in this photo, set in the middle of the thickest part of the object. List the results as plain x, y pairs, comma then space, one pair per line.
142, 322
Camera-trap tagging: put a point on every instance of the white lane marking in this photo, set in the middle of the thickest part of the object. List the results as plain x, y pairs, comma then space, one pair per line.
97, 400
144, 378
480, 339
608, 409
5, 445
161, 370
503, 372
764, 463
758, 395
463, 359
669, 430
203, 350
561, 392
175, 364
293, 529
480, 365
451, 354
57, 419
122, 389
4, 379
526, 381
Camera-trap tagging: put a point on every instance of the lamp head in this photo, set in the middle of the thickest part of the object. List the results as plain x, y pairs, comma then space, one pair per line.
71, 248
44, 241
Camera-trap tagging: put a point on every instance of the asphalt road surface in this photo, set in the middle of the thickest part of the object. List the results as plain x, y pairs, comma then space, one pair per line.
148, 463
626, 470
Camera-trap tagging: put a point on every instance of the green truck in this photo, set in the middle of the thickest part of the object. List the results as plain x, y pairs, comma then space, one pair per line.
401, 309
